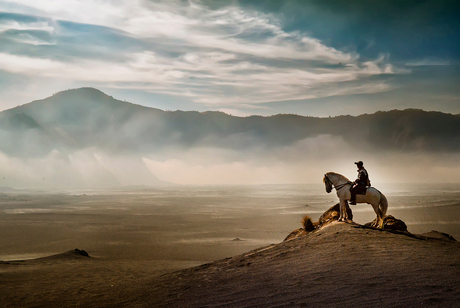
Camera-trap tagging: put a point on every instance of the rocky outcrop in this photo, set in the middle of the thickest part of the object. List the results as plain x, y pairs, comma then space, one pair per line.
79, 252
389, 223
329, 216
333, 214
76, 254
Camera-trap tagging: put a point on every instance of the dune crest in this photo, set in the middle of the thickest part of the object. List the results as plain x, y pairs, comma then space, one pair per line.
326, 263
339, 264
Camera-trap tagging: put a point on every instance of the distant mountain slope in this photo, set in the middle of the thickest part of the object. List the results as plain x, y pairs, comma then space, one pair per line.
82, 118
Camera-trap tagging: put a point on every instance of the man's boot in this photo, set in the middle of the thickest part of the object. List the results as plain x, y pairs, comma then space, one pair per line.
353, 199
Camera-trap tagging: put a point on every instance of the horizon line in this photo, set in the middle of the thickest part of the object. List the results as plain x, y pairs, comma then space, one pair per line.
223, 112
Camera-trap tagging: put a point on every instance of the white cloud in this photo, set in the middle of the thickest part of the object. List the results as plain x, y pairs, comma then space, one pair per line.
96, 12
46, 26
205, 77
29, 65
31, 40
428, 62
222, 63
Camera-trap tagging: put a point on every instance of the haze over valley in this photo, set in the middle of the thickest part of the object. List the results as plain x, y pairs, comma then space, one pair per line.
83, 138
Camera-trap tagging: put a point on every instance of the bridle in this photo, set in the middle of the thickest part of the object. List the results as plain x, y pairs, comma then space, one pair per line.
338, 187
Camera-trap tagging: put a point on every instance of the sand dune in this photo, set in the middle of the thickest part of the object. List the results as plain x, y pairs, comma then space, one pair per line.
340, 265
337, 265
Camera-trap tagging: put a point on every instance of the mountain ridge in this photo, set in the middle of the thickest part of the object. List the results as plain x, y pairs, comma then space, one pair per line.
86, 117
88, 93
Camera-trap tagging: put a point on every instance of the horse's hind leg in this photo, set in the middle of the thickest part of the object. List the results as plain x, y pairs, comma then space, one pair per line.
380, 222
379, 214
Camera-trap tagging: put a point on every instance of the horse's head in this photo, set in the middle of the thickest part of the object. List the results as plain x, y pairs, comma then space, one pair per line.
327, 183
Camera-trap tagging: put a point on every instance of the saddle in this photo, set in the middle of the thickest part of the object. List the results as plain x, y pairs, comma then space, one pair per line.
360, 190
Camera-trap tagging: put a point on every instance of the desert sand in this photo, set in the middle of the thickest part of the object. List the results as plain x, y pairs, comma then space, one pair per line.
340, 264
159, 249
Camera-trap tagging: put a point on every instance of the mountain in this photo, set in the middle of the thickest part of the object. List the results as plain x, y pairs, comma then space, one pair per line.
72, 120
85, 136
82, 118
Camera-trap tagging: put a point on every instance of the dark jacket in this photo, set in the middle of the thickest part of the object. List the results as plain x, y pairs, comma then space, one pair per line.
363, 177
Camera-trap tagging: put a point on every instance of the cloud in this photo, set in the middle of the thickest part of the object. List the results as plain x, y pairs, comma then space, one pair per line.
88, 11
221, 58
428, 62
30, 66
38, 25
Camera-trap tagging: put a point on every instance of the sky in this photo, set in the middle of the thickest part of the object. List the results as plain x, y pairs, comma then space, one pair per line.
313, 58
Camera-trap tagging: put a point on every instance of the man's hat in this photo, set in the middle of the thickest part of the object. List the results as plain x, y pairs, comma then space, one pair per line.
359, 163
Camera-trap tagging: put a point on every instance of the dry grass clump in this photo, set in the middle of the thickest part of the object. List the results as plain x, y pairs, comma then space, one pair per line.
307, 223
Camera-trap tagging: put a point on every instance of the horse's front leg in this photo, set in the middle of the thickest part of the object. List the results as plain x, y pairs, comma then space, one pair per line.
343, 210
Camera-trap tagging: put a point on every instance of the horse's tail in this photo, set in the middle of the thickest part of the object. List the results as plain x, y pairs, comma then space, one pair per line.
383, 204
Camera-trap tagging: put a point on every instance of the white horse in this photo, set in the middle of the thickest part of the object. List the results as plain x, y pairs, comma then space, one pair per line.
342, 186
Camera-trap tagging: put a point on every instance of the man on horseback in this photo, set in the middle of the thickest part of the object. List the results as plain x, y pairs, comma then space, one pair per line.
359, 185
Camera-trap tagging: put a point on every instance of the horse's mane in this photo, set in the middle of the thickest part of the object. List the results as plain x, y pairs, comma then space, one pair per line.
337, 174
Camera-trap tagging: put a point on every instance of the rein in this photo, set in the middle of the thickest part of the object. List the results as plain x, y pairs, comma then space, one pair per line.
338, 187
